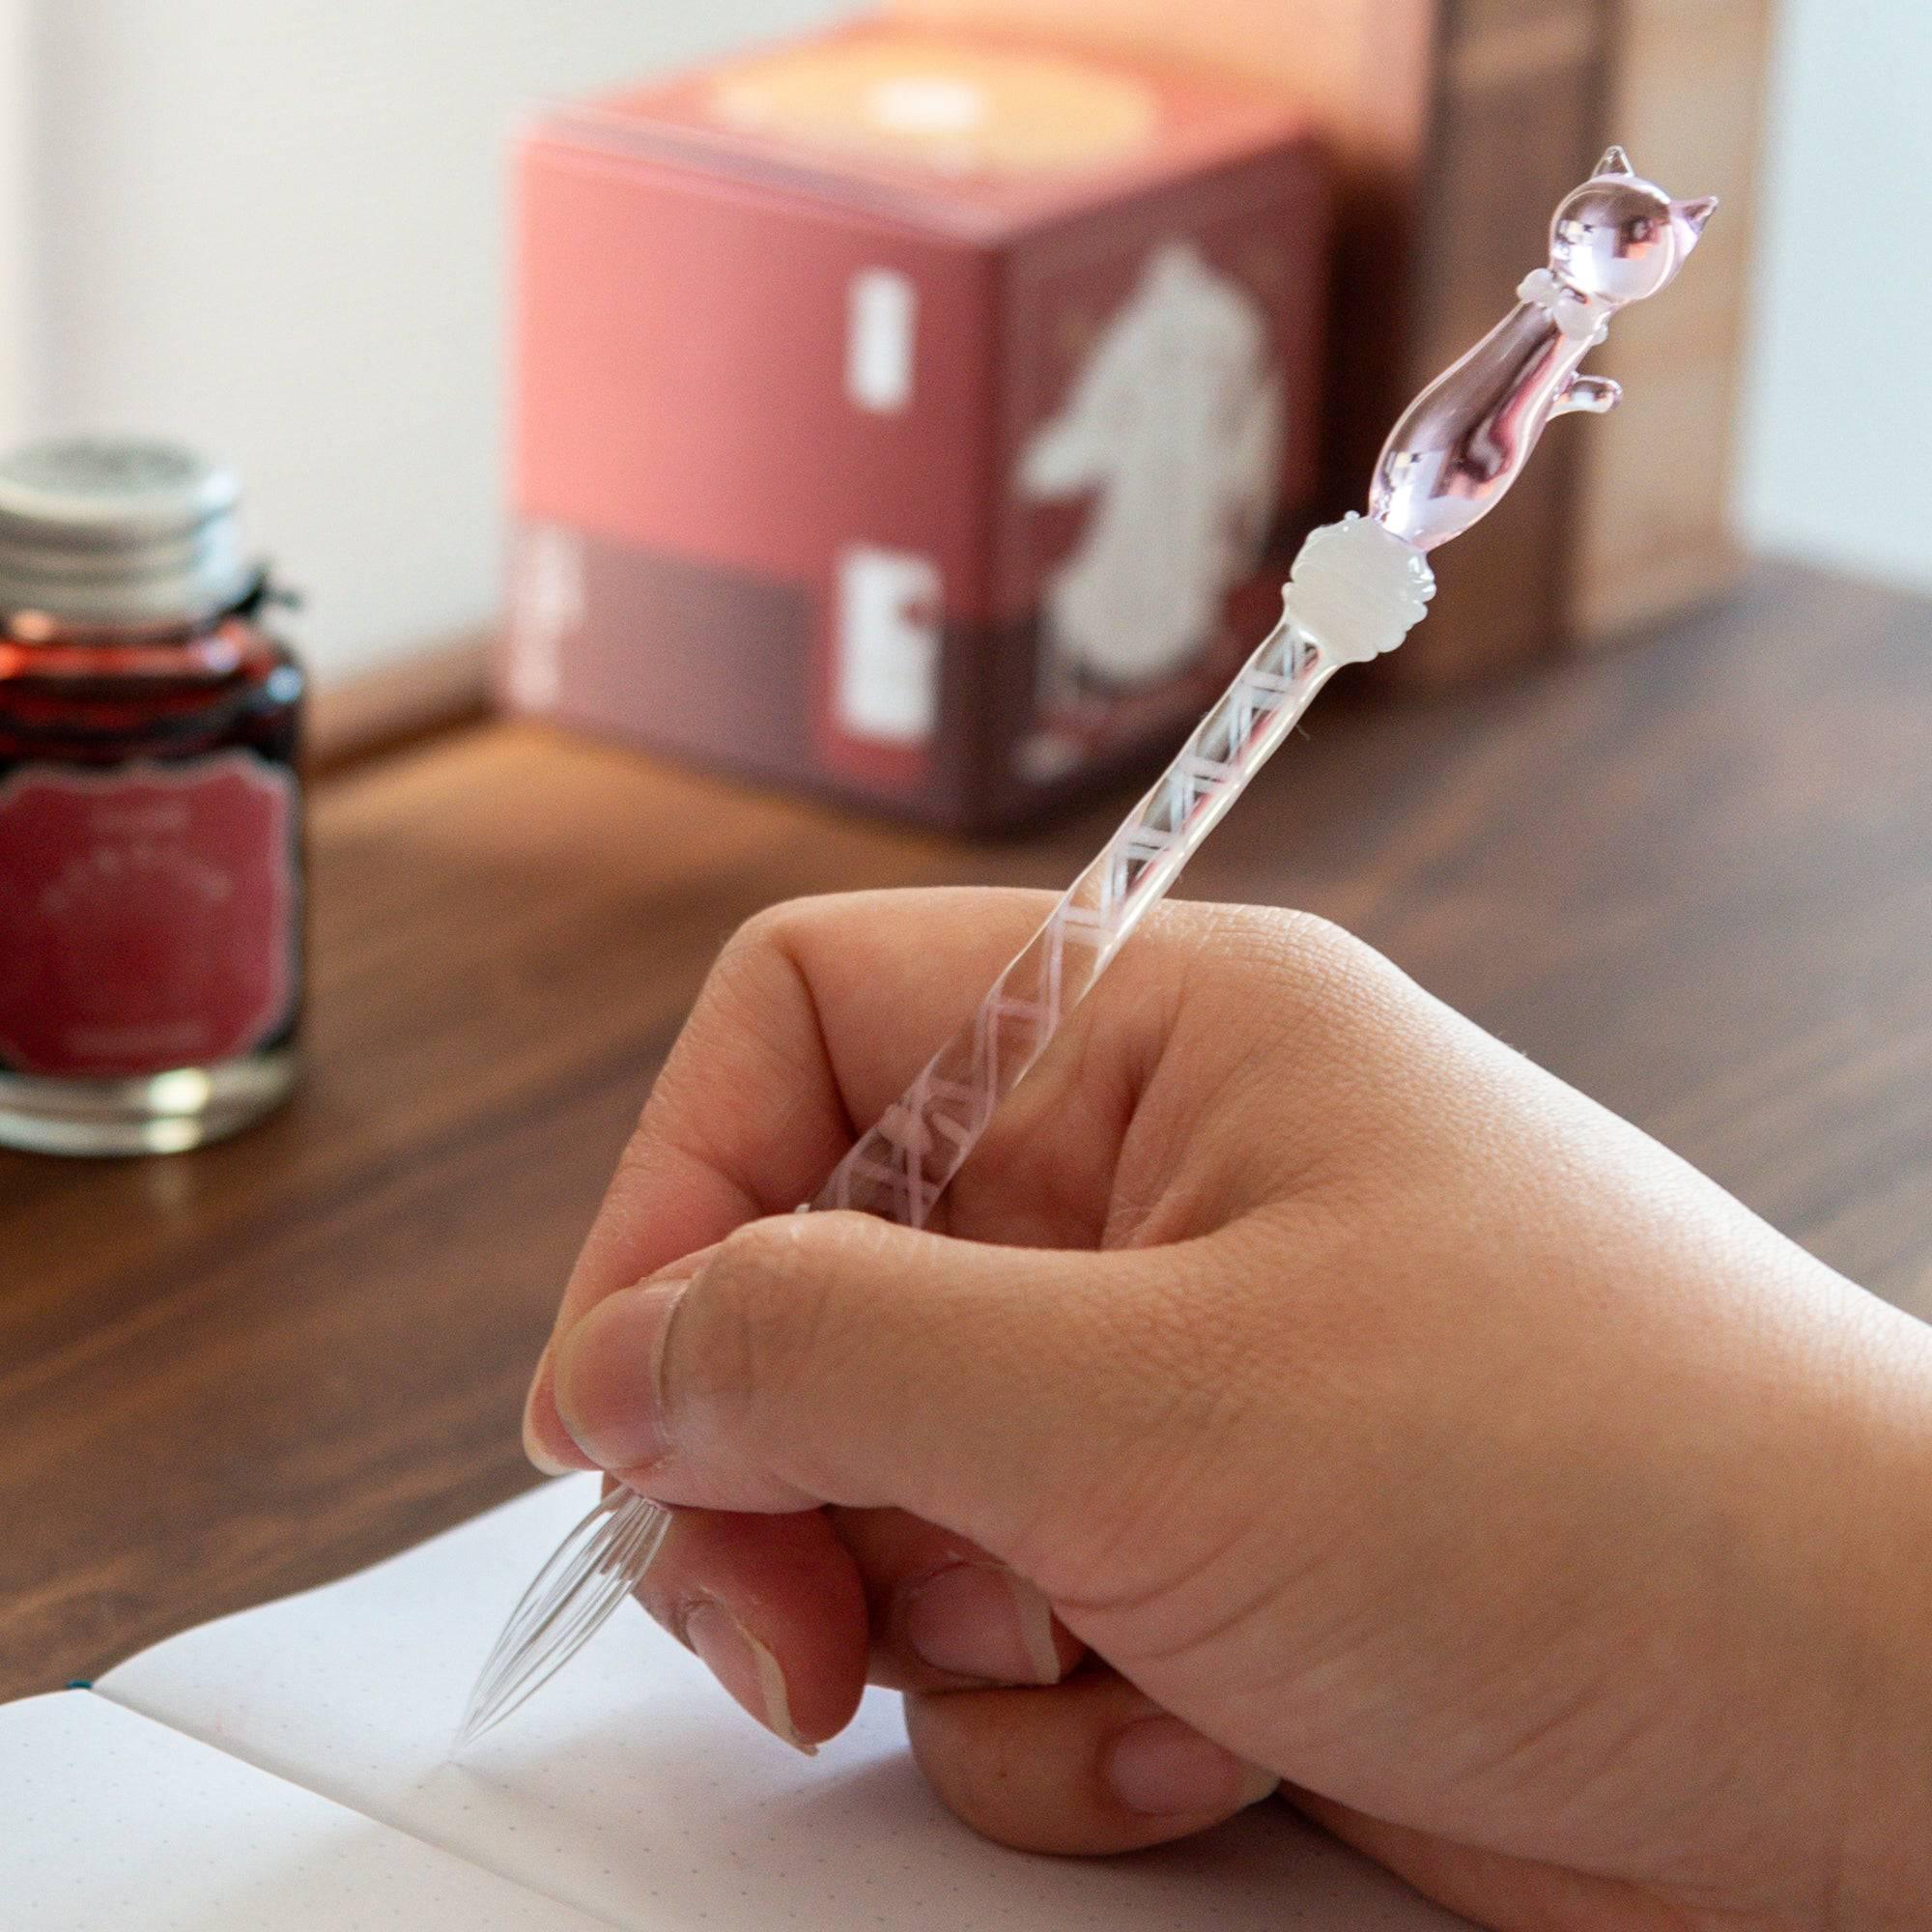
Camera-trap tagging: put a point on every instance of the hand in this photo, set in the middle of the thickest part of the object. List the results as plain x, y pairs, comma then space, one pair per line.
1299, 1387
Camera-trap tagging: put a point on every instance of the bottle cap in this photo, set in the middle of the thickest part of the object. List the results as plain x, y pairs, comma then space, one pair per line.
118, 530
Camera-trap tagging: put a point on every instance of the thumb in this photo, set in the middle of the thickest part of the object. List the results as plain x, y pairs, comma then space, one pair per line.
1003, 1393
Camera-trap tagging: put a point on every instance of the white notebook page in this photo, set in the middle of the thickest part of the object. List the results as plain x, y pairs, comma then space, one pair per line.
110, 1823
632, 1788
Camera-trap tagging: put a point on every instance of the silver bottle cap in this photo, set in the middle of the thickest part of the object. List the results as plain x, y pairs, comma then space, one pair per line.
118, 530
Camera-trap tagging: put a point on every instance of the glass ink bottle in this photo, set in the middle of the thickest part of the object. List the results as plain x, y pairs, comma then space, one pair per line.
151, 834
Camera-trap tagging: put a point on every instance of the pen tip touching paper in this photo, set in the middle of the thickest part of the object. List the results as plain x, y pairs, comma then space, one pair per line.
594, 1569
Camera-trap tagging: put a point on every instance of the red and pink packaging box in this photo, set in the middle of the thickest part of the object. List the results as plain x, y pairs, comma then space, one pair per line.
920, 419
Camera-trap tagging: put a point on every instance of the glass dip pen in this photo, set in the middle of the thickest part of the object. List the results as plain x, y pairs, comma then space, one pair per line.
1356, 590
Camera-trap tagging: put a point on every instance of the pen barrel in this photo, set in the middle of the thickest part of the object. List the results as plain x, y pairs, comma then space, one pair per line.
901, 1167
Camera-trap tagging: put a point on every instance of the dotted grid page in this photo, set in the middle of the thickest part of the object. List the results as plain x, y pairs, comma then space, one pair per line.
633, 1788
113, 1822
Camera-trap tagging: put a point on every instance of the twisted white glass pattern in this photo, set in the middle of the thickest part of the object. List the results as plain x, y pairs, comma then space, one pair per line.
901, 1166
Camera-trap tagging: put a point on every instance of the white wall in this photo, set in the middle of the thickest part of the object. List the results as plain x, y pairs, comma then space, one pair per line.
1840, 384
18, 321
276, 227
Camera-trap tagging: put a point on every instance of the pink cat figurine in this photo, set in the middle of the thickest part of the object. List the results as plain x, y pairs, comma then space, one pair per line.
1460, 444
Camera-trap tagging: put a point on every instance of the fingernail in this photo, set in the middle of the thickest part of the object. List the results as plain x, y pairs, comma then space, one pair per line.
605, 1376
1165, 1769
979, 1620
746, 1668
545, 1440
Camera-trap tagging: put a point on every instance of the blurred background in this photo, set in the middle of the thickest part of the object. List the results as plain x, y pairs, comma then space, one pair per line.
277, 228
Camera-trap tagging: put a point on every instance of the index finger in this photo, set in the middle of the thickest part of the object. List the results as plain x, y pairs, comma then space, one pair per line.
814, 1019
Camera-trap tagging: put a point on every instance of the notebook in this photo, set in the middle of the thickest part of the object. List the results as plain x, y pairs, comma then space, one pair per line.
288, 1768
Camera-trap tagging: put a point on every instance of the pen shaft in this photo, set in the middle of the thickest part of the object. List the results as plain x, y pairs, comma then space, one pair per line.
900, 1168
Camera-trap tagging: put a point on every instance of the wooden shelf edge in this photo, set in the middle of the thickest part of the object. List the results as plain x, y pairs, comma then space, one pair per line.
434, 690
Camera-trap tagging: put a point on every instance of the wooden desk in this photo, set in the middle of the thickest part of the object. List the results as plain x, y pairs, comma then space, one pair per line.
1674, 875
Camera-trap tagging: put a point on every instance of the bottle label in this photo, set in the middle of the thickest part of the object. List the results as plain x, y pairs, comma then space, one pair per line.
148, 913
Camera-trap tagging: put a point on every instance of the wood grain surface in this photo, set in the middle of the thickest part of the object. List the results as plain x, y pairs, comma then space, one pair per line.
1695, 879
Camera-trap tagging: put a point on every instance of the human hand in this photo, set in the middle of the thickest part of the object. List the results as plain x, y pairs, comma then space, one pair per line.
1298, 1385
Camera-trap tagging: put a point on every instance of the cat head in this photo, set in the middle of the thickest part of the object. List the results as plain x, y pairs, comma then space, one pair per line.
1621, 238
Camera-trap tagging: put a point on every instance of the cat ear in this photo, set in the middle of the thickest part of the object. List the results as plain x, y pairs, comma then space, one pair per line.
1614, 162
1694, 214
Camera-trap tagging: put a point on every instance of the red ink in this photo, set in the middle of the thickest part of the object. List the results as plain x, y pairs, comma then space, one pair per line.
151, 893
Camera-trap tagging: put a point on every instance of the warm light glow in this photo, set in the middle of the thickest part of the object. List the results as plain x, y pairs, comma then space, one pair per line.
186, 1091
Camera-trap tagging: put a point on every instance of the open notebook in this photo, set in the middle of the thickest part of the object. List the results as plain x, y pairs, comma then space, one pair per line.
287, 1768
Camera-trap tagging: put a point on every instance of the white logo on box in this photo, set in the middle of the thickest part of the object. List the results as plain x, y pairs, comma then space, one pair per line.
546, 606
890, 614
1176, 421
882, 311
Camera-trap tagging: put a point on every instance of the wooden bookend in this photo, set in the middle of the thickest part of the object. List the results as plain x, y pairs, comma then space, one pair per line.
1652, 530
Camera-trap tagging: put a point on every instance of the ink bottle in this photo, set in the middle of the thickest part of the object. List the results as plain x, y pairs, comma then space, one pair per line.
151, 838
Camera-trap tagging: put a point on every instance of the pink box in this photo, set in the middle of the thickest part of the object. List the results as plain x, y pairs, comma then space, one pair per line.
918, 417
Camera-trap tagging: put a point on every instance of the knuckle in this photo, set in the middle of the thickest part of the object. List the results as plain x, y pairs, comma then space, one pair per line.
1303, 952
1290, 955
756, 977
774, 930
759, 956
765, 1315
1324, 987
